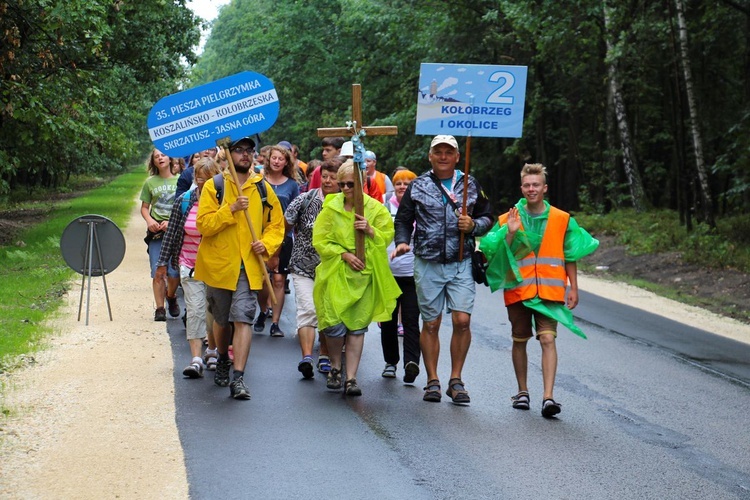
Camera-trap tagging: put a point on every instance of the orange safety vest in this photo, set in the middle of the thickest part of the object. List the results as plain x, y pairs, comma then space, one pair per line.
543, 274
379, 179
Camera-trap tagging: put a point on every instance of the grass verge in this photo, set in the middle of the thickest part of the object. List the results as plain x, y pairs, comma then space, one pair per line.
34, 277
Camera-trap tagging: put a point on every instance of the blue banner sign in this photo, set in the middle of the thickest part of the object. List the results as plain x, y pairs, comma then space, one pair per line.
471, 99
193, 120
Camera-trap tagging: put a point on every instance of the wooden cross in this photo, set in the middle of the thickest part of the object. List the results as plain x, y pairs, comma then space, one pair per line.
354, 130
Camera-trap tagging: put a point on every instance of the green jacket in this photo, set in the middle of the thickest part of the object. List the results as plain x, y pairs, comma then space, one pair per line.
341, 294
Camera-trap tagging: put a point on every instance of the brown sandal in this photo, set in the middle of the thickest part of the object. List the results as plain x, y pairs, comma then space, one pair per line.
432, 391
457, 392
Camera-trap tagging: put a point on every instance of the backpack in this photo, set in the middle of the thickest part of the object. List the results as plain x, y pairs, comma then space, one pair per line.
185, 201
262, 191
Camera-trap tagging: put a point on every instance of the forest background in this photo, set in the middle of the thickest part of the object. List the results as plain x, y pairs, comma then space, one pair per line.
633, 106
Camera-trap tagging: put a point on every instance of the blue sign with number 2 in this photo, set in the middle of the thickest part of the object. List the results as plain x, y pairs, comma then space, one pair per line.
471, 99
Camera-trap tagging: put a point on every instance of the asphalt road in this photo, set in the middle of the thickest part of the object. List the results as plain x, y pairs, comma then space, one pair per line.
651, 409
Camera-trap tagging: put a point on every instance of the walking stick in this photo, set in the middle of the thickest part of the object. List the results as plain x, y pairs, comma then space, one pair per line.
224, 144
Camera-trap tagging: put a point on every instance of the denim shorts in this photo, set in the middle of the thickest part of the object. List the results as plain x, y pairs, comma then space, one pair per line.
341, 330
448, 285
154, 249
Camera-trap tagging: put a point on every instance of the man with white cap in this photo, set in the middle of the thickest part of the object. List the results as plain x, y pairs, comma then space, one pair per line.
431, 207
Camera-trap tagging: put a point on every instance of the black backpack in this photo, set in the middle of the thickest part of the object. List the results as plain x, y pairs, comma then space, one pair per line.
262, 191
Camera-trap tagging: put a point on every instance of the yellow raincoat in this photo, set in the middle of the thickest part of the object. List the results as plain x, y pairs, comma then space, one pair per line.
226, 237
341, 294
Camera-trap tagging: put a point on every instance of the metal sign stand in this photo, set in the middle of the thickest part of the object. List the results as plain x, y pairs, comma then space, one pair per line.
92, 240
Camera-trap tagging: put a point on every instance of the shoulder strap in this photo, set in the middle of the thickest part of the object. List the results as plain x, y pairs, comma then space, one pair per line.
219, 185
309, 199
263, 192
185, 201
442, 191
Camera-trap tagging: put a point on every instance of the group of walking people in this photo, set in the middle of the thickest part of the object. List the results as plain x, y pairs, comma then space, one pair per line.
222, 237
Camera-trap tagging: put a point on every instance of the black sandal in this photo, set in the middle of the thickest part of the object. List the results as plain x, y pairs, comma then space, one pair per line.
521, 400
333, 380
352, 389
457, 392
432, 391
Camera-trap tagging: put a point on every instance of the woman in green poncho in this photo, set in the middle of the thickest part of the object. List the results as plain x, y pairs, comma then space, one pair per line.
350, 294
532, 253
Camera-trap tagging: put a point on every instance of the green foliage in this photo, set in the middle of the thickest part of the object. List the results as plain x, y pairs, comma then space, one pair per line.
34, 277
78, 78
658, 231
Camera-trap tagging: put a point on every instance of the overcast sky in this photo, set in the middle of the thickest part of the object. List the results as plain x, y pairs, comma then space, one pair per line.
208, 10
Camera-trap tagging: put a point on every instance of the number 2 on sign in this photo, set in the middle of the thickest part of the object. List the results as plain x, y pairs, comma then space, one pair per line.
497, 96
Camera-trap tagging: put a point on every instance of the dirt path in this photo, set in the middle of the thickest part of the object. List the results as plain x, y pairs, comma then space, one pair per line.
94, 417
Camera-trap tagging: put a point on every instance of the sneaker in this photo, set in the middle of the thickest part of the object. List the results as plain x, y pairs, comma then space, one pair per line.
221, 377
389, 371
238, 390
352, 389
194, 369
411, 372
174, 307
305, 367
550, 408
160, 314
260, 323
276, 331
210, 358
324, 364
521, 400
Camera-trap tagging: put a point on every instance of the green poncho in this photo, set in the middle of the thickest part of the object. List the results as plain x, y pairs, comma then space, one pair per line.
503, 271
341, 294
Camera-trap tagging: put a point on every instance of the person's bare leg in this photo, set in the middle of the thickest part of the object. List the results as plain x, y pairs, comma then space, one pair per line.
241, 345
520, 363
306, 340
335, 344
322, 339
278, 291
460, 342
429, 341
221, 336
172, 284
354, 345
549, 363
196, 347
160, 291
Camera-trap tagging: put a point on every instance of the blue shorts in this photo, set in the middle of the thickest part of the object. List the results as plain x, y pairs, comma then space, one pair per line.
441, 285
341, 330
154, 249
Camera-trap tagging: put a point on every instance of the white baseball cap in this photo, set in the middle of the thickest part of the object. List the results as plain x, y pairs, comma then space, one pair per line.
444, 139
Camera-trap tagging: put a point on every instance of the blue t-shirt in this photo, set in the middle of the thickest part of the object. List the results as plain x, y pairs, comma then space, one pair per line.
286, 192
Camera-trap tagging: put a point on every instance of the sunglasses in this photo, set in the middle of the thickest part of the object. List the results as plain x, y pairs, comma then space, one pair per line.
349, 184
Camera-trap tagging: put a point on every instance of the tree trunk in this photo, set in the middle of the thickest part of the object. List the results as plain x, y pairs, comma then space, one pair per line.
628, 155
707, 209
